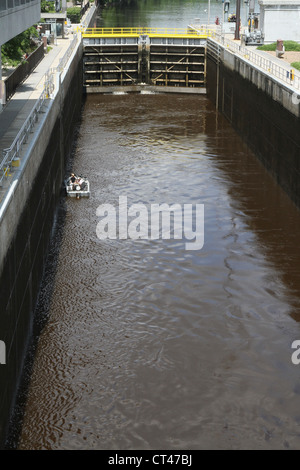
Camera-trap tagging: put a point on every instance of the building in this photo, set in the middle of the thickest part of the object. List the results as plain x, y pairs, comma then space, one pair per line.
280, 19
15, 17
57, 21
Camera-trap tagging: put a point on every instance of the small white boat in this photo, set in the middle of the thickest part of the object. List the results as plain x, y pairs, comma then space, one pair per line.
77, 186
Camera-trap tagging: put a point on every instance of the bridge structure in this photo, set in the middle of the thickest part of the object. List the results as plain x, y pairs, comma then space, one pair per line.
132, 58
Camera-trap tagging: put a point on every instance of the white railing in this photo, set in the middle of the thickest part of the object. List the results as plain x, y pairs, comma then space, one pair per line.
64, 60
88, 16
49, 85
12, 154
285, 74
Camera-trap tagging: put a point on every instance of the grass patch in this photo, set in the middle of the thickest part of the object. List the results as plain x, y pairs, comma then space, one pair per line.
267, 47
288, 45
296, 65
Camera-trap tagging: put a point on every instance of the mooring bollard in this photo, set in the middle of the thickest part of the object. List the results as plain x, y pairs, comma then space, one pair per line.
280, 48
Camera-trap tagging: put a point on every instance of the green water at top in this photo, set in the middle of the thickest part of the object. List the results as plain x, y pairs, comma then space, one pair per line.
164, 13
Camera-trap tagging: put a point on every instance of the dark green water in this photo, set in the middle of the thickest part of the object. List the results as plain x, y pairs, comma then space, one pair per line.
165, 13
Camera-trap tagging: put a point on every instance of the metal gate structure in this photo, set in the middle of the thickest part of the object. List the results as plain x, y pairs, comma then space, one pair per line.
132, 58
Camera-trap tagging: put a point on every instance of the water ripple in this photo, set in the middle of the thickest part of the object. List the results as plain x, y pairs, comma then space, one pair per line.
149, 345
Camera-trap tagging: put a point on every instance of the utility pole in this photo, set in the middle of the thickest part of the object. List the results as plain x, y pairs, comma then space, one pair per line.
2, 85
237, 19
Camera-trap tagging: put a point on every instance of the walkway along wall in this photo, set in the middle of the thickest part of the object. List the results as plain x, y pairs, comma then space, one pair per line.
26, 225
265, 111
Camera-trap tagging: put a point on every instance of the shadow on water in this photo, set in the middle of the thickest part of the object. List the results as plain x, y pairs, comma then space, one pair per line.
39, 322
262, 204
42, 309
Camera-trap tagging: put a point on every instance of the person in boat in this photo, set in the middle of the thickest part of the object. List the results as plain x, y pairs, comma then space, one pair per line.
72, 180
79, 181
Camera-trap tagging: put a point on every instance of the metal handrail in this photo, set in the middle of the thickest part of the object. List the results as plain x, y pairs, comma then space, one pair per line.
64, 60
49, 84
137, 31
12, 153
287, 75
86, 19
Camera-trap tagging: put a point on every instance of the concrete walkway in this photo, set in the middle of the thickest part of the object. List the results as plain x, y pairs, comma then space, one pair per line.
16, 111
18, 108
280, 61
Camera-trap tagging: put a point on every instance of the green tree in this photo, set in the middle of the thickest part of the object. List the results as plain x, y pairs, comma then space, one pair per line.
12, 52
74, 14
47, 6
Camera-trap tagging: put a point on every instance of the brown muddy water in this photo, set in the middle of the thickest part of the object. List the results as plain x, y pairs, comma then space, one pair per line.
148, 345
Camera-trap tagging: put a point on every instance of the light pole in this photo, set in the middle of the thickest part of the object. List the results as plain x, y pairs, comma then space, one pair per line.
2, 85
237, 19
208, 14
223, 13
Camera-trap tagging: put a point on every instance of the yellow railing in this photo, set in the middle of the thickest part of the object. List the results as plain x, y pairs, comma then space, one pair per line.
151, 32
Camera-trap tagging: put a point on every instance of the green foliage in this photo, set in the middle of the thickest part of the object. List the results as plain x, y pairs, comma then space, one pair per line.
12, 52
296, 65
74, 14
288, 45
267, 47
47, 7
291, 45
118, 2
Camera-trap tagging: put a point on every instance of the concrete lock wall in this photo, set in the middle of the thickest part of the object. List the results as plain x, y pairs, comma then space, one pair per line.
26, 228
264, 113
